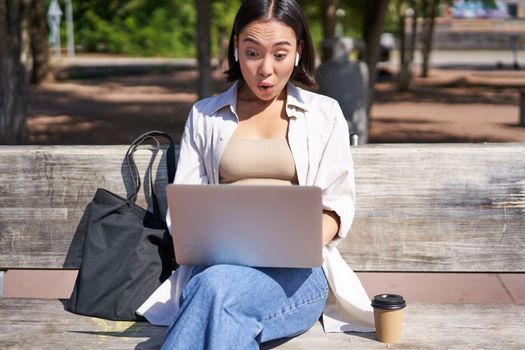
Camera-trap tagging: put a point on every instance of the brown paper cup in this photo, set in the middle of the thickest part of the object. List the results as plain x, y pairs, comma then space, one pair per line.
388, 316
388, 325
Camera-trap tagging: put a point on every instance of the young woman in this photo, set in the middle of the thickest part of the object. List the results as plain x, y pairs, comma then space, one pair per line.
265, 130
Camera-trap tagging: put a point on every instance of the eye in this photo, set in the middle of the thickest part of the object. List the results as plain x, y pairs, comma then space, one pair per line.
280, 56
251, 53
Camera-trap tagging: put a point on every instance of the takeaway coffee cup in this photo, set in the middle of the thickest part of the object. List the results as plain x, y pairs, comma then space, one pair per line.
388, 316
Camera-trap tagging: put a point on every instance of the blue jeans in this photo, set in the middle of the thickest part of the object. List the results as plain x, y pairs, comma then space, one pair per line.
238, 307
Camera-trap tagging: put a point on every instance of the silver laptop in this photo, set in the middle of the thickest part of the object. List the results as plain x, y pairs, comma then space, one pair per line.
264, 226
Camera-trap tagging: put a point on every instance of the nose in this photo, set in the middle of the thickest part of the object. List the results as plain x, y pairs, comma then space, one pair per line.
266, 67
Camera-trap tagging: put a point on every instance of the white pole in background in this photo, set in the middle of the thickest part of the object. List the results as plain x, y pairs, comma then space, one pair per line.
54, 16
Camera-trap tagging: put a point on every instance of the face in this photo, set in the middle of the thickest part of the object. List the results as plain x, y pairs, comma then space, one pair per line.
267, 53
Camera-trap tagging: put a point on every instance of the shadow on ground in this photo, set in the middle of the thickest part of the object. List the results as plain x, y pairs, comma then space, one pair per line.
115, 110
111, 110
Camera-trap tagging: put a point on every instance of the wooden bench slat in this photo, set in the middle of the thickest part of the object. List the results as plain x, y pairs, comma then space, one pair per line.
439, 208
25, 323
58, 182
448, 208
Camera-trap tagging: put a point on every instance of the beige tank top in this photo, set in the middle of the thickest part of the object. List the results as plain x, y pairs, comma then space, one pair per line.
257, 161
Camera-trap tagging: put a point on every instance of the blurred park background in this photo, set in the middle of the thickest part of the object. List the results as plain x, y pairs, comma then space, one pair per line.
102, 72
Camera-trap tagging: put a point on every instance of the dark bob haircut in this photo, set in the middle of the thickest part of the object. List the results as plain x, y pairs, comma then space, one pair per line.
288, 12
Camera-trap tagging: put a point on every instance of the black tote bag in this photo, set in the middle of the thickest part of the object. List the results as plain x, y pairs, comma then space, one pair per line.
127, 251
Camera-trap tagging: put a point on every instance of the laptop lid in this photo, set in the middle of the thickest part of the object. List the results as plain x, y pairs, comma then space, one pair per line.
252, 225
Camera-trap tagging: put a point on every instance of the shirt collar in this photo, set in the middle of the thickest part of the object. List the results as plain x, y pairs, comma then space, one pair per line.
229, 98
294, 97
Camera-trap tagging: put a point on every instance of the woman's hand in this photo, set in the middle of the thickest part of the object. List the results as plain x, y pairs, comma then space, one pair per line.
330, 226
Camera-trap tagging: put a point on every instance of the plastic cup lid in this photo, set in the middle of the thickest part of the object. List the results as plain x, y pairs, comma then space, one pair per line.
388, 301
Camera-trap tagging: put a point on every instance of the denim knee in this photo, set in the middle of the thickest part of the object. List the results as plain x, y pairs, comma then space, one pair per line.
215, 281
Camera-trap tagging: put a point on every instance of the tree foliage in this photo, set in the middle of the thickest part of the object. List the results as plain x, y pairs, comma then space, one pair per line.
136, 27
167, 27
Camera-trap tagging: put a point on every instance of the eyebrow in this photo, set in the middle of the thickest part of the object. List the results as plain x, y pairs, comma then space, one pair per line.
255, 41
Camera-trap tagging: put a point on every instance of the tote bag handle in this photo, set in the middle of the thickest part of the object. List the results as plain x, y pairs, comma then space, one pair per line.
130, 162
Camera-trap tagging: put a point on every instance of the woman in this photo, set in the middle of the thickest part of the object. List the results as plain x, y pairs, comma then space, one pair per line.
264, 129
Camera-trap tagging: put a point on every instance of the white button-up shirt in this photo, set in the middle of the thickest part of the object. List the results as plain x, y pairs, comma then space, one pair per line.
320, 145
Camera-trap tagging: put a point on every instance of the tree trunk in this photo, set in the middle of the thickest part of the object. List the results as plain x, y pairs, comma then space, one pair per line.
413, 30
401, 33
329, 24
204, 47
405, 73
39, 45
373, 24
13, 129
223, 49
428, 34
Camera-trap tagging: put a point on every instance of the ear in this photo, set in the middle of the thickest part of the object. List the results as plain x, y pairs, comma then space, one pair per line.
298, 53
235, 49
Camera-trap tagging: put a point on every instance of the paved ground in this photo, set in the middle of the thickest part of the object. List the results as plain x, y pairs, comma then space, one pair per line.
466, 99
458, 106
91, 110
466, 104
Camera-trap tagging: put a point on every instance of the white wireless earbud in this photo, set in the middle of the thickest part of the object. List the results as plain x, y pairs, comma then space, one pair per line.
236, 54
297, 58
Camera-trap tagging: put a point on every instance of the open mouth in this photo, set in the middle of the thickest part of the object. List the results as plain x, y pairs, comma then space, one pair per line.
265, 87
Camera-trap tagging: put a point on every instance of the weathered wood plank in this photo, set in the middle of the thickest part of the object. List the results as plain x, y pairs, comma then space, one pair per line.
439, 208
26, 323
44, 194
419, 207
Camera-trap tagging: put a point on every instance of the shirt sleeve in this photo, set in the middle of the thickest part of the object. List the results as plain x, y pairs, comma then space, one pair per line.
336, 175
191, 168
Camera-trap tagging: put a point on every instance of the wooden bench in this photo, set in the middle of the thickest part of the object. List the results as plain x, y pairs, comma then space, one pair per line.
420, 208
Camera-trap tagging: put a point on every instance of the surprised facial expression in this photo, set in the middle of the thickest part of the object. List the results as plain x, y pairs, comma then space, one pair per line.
267, 54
